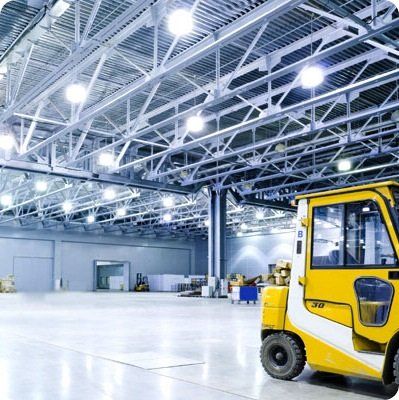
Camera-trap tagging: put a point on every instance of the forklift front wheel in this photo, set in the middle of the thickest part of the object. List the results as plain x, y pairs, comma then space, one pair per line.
282, 356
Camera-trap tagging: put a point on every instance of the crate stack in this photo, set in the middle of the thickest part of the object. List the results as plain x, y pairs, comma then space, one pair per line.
7, 285
281, 275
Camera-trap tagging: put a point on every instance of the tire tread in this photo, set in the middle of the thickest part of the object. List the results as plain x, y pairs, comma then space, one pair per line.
396, 367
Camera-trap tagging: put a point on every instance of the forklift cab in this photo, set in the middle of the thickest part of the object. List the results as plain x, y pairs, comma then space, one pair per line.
342, 306
353, 261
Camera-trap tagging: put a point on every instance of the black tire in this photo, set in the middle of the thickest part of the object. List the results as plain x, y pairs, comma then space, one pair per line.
283, 357
396, 367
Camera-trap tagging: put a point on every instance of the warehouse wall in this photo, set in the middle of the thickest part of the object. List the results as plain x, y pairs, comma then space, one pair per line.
78, 274
29, 260
201, 256
248, 255
251, 255
39, 257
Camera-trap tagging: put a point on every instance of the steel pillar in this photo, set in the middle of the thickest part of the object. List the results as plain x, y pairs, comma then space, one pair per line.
217, 234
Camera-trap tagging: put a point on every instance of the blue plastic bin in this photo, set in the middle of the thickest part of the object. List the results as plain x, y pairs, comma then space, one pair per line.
248, 293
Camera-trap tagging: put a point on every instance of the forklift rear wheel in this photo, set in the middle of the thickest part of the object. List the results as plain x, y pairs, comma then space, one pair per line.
396, 367
282, 356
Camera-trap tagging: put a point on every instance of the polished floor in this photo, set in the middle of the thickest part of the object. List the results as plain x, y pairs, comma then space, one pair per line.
145, 346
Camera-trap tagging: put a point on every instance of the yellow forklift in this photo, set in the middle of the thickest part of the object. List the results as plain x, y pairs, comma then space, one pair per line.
142, 284
340, 312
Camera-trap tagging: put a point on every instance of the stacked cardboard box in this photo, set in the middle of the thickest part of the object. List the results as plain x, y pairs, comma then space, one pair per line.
282, 273
7, 285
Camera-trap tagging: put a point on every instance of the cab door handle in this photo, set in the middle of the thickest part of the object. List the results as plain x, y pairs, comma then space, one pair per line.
302, 280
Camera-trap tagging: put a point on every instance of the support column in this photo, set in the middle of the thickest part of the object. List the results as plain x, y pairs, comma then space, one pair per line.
57, 273
217, 234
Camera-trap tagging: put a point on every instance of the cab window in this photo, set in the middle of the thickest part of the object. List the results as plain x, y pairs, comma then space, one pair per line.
350, 235
367, 240
328, 236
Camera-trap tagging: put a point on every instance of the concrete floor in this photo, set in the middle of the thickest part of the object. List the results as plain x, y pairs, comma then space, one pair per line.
145, 346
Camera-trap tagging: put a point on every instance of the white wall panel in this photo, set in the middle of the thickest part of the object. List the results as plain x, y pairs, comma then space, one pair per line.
33, 274
73, 254
77, 271
19, 247
250, 255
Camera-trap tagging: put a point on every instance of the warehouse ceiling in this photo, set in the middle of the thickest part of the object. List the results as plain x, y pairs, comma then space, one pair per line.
75, 206
266, 136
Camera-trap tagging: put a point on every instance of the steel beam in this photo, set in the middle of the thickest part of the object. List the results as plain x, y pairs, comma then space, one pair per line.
26, 166
251, 200
84, 56
296, 67
270, 10
366, 84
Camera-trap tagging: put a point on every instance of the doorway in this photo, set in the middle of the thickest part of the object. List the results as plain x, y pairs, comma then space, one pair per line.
33, 274
111, 275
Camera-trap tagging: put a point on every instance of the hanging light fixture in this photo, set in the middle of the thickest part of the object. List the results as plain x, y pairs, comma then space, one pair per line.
91, 219
76, 93
168, 202
41, 186
121, 212
7, 141
67, 206
109, 194
195, 124
259, 215
180, 22
106, 159
311, 77
6, 200
167, 217
344, 165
